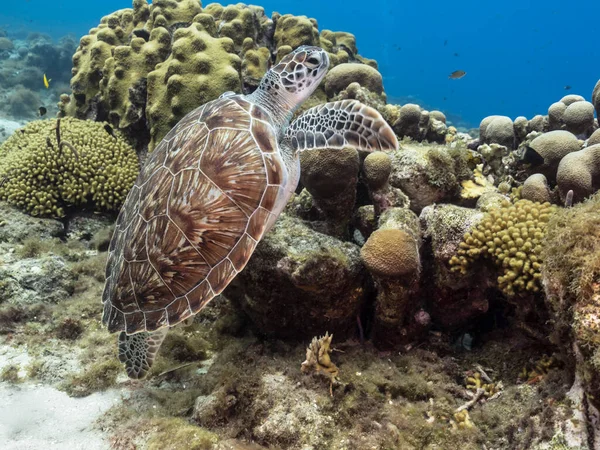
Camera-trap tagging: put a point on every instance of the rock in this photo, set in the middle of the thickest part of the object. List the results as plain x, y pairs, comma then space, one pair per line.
342, 75
83, 227
16, 226
429, 174
456, 299
294, 262
290, 419
46, 279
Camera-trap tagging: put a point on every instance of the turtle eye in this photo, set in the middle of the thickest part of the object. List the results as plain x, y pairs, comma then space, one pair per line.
312, 62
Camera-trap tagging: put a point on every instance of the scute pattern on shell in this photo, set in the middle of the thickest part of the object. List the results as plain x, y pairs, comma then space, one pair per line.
194, 216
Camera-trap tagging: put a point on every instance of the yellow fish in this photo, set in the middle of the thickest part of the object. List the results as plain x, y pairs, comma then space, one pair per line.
46, 82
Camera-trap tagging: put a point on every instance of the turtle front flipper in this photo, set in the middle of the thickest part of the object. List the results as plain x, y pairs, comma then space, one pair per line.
137, 351
340, 124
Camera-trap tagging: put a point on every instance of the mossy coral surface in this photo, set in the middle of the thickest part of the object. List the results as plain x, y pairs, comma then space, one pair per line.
511, 236
48, 167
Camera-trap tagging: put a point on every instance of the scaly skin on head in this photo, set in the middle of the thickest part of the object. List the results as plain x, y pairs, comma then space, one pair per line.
287, 85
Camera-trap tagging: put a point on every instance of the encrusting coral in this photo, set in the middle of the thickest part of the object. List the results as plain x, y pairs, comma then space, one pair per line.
52, 165
511, 236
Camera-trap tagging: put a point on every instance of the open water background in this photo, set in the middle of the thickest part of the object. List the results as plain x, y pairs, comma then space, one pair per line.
519, 55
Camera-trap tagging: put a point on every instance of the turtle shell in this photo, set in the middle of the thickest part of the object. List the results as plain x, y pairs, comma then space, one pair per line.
194, 216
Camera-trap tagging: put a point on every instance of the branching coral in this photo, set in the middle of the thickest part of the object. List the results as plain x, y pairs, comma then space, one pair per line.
51, 165
511, 236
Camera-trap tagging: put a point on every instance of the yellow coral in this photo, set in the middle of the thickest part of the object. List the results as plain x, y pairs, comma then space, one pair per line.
478, 186
88, 166
511, 236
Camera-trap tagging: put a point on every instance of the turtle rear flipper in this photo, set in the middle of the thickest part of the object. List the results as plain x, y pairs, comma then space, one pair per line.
340, 124
137, 351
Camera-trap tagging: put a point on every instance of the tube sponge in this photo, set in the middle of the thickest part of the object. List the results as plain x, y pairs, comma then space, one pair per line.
44, 171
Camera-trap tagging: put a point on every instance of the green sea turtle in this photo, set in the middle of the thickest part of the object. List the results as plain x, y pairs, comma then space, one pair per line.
208, 193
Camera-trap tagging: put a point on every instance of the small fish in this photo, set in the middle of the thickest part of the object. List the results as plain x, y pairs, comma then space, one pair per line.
43, 111
110, 130
567, 87
445, 42
455, 54
457, 74
46, 82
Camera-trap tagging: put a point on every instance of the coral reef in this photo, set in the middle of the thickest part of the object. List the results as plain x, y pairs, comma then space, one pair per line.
135, 69
546, 151
50, 166
511, 236
535, 189
429, 174
331, 176
571, 273
189, 77
293, 262
572, 113
340, 77
391, 254
498, 130
579, 172
456, 299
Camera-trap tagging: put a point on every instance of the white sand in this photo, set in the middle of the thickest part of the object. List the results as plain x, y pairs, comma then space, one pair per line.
36, 417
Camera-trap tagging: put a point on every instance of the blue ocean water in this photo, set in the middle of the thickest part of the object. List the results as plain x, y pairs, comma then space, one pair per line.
520, 56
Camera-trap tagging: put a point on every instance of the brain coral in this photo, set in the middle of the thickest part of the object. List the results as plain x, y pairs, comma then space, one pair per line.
50, 166
143, 68
391, 253
579, 172
511, 236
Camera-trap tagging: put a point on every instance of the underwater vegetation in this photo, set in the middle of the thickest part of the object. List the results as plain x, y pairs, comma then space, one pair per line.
444, 294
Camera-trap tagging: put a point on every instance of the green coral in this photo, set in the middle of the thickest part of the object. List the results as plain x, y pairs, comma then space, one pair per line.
199, 69
88, 167
124, 76
88, 61
511, 236
145, 67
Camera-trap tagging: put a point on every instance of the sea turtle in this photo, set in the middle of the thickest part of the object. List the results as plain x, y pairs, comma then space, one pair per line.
209, 192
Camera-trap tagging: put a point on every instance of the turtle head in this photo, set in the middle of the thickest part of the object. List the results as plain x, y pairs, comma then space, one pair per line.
299, 73
288, 84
